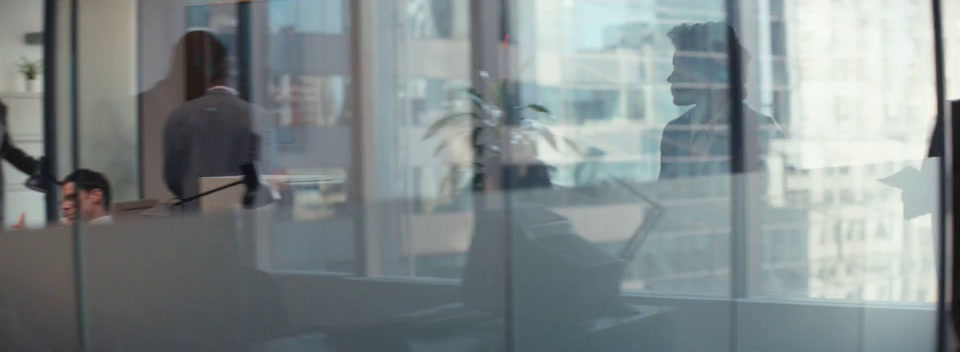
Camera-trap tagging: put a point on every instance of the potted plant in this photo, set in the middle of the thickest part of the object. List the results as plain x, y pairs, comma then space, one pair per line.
496, 124
30, 69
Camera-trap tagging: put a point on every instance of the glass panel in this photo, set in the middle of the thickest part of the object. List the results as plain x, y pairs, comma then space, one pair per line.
37, 306
38, 309
454, 175
301, 74
301, 108
246, 130
848, 232
642, 129
431, 65
344, 200
830, 201
640, 196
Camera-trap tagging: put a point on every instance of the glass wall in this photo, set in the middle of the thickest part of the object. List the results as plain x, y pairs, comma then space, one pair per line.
454, 175
21, 109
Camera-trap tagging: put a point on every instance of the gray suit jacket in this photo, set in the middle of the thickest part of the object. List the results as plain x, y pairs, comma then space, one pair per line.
209, 136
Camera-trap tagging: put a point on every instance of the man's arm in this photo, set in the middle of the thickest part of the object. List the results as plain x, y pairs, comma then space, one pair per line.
16, 156
173, 155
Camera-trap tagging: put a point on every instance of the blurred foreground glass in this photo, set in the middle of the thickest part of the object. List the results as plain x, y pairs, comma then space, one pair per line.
601, 187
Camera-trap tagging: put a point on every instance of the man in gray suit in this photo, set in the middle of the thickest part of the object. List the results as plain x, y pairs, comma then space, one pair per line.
213, 134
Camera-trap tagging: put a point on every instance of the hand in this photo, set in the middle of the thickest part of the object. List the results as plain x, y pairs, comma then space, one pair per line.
22, 224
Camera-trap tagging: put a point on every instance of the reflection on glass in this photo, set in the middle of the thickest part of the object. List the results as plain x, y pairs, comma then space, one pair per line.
534, 175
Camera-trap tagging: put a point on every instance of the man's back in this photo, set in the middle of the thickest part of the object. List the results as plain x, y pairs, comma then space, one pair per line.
209, 136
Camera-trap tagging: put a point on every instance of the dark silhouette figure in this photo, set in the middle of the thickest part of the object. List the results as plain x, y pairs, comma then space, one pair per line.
698, 142
213, 133
186, 80
14, 155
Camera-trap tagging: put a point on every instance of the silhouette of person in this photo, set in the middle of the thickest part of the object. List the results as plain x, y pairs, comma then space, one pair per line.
12, 154
182, 83
698, 142
215, 131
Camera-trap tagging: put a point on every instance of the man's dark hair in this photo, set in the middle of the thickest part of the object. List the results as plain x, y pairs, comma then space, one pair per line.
707, 37
698, 39
89, 180
206, 61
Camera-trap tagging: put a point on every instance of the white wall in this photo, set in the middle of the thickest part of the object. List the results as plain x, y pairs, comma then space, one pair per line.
17, 17
107, 76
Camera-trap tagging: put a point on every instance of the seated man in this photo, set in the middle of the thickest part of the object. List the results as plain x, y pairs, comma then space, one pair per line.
88, 191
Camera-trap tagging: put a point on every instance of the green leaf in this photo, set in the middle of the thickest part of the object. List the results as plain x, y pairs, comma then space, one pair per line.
477, 98
440, 148
443, 145
535, 107
474, 93
573, 145
446, 121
